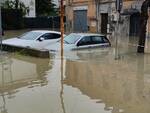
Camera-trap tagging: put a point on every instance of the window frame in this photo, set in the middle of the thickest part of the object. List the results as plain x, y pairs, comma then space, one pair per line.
82, 39
49, 35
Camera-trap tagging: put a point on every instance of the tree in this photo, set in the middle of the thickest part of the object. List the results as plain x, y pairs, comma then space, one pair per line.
143, 23
45, 8
16, 4
8, 4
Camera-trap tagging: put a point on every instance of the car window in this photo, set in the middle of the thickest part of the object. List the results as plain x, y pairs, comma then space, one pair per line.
85, 41
105, 39
55, 36
99, 39
30, 35
49, 36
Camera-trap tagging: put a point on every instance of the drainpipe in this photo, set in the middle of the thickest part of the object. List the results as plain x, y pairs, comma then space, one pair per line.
97, 14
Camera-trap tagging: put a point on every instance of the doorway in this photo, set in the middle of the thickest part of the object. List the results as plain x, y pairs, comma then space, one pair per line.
104, 22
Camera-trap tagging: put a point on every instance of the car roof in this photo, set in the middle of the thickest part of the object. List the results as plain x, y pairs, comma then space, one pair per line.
46, 31
88, 34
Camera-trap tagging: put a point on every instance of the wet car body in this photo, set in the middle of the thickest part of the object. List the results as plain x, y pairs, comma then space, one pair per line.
79, 41
36, 39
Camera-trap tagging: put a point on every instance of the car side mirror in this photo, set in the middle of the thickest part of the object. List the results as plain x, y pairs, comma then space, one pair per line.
41, 39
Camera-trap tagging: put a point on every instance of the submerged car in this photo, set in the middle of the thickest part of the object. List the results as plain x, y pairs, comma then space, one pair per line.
77, 41
37, 39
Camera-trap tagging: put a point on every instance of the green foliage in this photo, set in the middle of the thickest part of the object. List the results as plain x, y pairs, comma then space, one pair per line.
8, 4
45, 8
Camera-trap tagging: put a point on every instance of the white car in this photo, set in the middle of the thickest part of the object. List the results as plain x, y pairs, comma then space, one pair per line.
76, 41
37, 39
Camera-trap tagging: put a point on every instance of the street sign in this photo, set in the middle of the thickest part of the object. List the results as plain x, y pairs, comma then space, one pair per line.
119, 4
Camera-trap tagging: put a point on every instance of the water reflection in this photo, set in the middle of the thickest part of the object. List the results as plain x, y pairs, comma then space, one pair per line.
88, 54
83, 82
122, 86
18, 72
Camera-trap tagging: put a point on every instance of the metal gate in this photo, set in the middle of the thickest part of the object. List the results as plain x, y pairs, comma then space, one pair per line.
80, 21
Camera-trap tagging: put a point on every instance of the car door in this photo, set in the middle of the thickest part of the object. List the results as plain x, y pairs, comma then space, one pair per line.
84, 43
47, 38
99, 41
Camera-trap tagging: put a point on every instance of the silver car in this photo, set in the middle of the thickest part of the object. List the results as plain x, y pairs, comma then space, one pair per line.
77, 41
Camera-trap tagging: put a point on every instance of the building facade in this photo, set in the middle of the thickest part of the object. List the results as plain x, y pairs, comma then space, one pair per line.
100, 16
81, 16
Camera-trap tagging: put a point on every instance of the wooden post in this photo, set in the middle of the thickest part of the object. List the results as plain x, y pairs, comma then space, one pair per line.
62, 25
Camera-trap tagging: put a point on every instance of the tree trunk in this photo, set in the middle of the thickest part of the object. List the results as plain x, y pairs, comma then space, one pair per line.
143, 23
16, 4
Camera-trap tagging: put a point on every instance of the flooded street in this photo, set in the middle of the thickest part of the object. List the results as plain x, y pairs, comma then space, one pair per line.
84, 82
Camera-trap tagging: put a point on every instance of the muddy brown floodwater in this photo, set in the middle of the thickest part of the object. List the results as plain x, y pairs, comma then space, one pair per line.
84, 82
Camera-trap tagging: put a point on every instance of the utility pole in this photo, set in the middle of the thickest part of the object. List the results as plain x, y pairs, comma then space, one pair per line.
62, 25
119, 4
0, 29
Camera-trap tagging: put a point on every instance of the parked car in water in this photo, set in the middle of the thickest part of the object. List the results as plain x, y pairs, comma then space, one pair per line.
36, 39
77, 41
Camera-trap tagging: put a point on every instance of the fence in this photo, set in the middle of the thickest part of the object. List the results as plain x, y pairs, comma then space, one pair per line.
11, 19
42, 22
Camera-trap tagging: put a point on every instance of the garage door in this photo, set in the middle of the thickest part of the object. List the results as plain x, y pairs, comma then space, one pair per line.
80, 21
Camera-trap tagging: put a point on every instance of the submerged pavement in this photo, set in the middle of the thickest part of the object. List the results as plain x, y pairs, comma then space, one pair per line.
89, 81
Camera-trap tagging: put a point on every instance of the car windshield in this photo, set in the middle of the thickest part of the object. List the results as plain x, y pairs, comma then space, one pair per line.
72, 38
30, 35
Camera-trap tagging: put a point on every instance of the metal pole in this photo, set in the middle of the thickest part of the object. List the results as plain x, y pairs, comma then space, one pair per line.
0, 30
116, 39
52, 23
62, 25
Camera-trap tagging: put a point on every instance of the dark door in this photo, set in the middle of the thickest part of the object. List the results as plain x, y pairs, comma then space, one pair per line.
104, 22
80, 21
134, 24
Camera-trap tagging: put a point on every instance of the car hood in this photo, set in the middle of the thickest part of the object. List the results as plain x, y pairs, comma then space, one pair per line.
17, 42
57, 47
